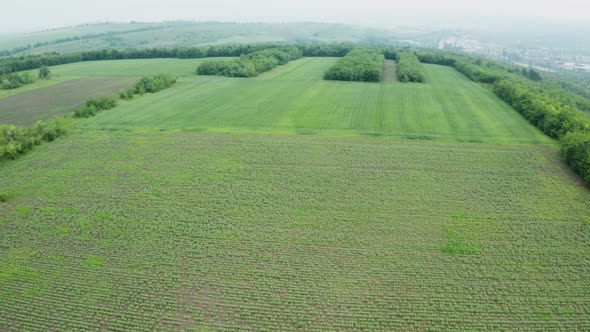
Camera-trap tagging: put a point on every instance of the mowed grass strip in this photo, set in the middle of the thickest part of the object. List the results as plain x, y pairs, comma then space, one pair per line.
28, 107
272, 232
294, 99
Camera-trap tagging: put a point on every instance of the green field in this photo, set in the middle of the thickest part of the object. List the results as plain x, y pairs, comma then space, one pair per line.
286, 202
142, 67
295, 99
173, 231
26, 108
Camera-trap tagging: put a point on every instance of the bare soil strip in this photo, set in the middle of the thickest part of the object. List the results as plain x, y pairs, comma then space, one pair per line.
389, 72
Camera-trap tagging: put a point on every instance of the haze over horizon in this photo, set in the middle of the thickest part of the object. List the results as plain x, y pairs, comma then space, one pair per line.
61, 13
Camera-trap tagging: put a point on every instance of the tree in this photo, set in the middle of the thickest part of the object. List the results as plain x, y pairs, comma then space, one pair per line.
44, 72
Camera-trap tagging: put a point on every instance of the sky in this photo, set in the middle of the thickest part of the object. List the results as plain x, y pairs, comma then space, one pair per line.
28, 15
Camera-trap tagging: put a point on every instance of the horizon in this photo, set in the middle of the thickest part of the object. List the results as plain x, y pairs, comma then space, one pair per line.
67, 13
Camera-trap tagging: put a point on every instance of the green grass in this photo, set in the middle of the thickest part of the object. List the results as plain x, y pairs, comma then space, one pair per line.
294, 99
173, 231
142, 67
43, 103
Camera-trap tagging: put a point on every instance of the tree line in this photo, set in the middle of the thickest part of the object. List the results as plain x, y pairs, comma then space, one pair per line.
543, 105
363, 65
148, 84
409, 68
17, 64
251, 64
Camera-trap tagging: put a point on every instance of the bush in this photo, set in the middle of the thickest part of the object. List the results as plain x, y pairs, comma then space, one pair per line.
409, 68
95, 105
151, 84
44, 72
15, 141
364, 65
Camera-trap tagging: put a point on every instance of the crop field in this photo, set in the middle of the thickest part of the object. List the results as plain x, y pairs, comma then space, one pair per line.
43, 103
142, 67
116, 230
294, 99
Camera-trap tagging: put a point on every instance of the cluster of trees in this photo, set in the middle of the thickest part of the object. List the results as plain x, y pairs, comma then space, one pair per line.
365, 65
15, 80
409, 68
251, 64
149, 84
547, 106
94, 106
15, 141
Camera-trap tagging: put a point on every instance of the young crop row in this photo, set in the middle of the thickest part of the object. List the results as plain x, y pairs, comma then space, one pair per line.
364, 65
251, 64
189, 231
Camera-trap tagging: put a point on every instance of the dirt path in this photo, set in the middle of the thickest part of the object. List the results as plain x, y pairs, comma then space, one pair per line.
389, 72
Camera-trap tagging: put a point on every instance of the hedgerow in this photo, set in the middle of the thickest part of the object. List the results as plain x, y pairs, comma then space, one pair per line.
251, 64
150, 84
365, 65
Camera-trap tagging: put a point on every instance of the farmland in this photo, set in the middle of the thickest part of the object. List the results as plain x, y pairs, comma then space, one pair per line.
287, 202
143, 67
191, 230
41, 104
294, 99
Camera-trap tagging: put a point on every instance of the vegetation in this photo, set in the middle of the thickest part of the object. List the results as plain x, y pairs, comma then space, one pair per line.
15, 80
150, 84
242, 231
61, 98
11, 65
16, 141
44, 73
543, 105
251, 64
365, 65
294, 98
94, 106
409, 68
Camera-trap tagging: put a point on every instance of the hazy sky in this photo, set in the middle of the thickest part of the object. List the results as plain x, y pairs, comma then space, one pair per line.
19, 15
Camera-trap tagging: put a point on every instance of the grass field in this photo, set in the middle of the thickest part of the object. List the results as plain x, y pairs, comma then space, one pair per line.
142, 67
119, 230
28, 107
206, 212
295, 99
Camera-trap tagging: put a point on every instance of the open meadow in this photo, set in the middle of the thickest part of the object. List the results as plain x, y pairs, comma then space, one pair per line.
295, 99
286, 202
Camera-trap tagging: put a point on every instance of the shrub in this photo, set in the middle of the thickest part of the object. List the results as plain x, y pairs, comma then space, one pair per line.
15, 141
